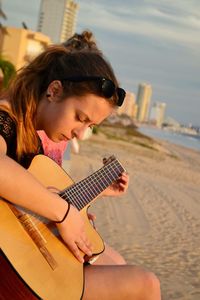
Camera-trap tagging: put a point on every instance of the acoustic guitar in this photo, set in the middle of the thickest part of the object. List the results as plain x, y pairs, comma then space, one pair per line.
34, 261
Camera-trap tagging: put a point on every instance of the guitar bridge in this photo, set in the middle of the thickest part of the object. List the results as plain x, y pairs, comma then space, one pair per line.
35, 235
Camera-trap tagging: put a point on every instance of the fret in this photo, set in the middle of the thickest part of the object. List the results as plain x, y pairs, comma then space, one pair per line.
82, 193
70, 196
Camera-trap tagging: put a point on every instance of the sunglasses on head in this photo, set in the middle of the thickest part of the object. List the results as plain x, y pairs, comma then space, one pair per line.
108, 88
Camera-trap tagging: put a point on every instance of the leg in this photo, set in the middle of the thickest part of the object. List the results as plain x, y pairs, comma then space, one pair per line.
120, 282
110, 257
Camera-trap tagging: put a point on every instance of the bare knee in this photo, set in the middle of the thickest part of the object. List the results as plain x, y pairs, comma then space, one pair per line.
121, 282
151, 286
110, 257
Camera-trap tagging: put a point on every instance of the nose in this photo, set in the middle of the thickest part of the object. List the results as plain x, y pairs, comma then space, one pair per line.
79, 132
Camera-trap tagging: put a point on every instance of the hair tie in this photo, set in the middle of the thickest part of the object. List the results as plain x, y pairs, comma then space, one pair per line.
65, 215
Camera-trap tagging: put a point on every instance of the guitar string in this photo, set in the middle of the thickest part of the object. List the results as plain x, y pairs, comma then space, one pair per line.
37, 219
74, 196
72, 191
82, 187
86, 191
101, 174
94, 188
104, 180
40, 229
84, 183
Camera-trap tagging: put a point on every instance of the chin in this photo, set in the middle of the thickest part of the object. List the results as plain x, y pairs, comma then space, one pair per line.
54, 139
57, 140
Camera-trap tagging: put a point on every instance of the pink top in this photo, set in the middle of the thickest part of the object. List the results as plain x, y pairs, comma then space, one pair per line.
53, 150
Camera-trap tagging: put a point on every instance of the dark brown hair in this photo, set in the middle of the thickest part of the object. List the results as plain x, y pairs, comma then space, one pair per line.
80, 41
31, 83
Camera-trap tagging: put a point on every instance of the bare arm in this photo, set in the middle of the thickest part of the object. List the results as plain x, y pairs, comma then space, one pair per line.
20, 187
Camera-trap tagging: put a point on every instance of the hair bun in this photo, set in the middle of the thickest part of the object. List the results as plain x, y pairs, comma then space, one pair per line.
84, 40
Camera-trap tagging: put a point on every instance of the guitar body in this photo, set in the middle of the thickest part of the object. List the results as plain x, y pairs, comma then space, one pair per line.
24, 271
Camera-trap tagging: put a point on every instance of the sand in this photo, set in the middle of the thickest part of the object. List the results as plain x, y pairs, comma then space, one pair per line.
157, 223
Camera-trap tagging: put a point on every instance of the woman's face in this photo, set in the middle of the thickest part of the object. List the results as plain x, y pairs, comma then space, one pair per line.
71, 117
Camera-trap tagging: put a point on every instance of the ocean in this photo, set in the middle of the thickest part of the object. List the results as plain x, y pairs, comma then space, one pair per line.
185, 140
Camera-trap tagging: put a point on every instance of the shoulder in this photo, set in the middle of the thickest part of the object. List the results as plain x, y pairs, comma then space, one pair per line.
7, 125
4, 115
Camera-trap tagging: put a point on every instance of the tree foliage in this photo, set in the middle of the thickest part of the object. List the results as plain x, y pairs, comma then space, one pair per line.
8, 70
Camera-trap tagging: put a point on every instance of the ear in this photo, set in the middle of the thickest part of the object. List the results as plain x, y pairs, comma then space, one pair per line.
54, 90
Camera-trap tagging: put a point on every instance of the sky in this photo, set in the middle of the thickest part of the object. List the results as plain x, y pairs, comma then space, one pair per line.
151, 41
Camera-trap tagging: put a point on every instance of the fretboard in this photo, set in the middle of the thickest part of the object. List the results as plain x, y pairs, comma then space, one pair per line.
83, 192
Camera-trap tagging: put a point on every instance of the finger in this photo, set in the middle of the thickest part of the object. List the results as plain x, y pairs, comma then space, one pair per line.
91, 217
126, 174
123, 181
123, 185
124, 177
122, 188
105, 160
84, 248
76, 252
87, 242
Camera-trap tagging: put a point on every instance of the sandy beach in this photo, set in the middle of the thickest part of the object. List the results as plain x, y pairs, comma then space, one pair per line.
156, 224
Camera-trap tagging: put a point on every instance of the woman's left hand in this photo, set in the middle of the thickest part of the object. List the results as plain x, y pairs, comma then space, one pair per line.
118, 188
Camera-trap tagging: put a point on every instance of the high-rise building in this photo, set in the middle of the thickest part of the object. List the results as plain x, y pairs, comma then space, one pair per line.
57, 19
157, 113
129, 106
143, 101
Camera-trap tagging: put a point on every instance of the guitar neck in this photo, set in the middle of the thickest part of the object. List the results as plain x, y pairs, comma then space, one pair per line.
82, 193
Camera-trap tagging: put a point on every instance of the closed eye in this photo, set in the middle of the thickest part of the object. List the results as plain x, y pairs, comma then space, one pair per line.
78, 118
81, 117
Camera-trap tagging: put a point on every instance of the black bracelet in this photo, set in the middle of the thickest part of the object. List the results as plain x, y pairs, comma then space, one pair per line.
65, 215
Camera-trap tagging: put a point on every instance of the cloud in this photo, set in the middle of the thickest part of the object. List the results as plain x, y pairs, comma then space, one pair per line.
177, 21
18, 11
156, 41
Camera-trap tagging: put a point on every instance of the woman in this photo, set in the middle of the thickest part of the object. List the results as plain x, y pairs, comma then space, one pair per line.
61, 150
56, 151
64, 93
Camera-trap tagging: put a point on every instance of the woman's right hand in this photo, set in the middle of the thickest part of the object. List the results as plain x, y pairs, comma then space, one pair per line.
73, 233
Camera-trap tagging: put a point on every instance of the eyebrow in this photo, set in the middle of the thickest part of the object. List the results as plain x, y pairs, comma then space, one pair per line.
85, 116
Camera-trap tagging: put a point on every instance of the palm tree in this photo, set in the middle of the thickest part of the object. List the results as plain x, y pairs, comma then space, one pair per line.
6, 67
8, 71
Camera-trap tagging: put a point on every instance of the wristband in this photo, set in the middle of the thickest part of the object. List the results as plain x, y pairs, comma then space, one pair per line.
65, 215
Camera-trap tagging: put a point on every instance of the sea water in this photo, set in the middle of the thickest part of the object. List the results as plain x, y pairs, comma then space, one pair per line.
186, 140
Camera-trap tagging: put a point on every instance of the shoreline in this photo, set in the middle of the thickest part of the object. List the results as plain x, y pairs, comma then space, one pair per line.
173, 137
156, 224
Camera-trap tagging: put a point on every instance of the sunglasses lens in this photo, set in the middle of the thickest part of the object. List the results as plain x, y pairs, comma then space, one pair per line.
121, 95
108, 88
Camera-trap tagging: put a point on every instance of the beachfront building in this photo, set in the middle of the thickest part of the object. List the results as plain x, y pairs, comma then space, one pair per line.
57, 19
157, 114
20, 46
143, 101
129, 106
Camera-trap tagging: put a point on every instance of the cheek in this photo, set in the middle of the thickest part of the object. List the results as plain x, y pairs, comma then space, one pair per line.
54, 122
64, 122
